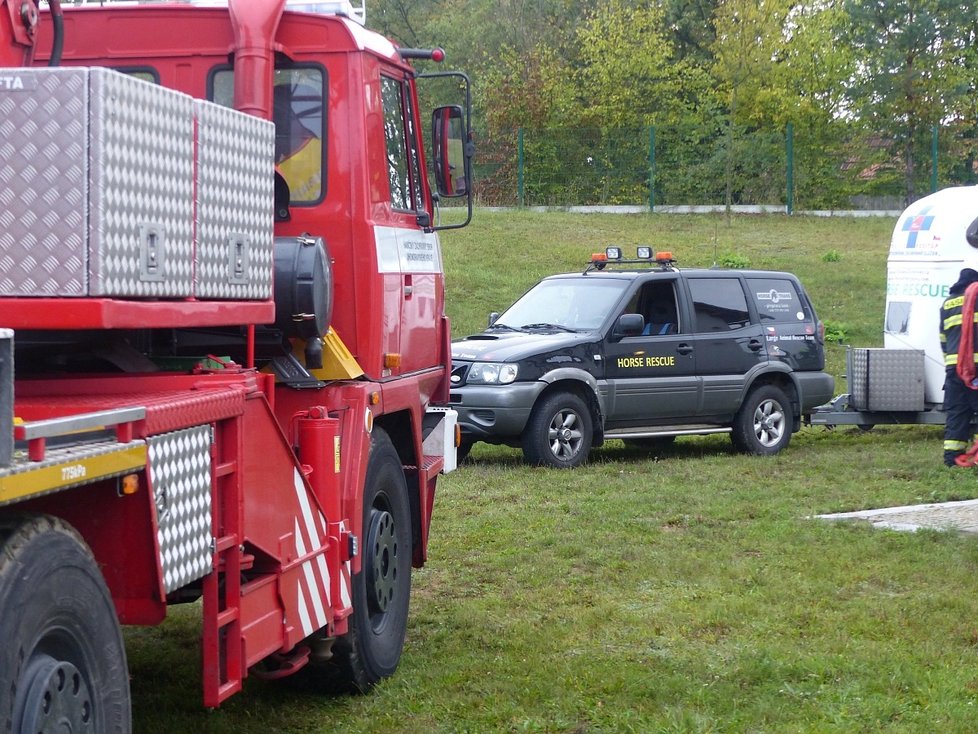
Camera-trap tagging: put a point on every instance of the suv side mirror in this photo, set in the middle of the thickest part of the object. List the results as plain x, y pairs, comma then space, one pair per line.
629, 324
450, 151
493, 317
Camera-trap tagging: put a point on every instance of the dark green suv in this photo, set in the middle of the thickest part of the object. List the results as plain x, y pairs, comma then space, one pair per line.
642, 351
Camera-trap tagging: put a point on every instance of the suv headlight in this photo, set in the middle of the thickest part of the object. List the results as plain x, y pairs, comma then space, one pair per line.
491, 373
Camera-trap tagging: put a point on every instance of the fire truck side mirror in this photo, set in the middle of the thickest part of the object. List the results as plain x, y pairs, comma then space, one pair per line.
451, 151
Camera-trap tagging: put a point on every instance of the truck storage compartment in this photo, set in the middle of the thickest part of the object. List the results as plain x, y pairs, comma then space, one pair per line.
99, 179
99, 166
886, 379
235, 203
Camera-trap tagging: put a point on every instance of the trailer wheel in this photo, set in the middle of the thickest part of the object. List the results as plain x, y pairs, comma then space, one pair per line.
371, 650
559, 432
762, 426
62, 661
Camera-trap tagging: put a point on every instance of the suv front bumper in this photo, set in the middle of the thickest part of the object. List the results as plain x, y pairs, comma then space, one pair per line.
494, 413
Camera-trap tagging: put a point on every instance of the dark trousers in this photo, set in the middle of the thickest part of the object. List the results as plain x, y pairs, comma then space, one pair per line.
960, 407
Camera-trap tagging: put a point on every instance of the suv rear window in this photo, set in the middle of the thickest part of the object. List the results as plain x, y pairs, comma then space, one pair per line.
777, 301
719, 304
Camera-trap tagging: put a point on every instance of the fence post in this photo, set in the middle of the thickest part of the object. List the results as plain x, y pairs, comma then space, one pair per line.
652, 168
519, 168
790, 155
933, 159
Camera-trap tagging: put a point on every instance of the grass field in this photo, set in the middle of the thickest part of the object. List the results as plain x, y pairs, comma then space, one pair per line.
688, 591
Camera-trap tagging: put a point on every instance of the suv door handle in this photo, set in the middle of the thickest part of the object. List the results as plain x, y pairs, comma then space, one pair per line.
684, 349
755, 345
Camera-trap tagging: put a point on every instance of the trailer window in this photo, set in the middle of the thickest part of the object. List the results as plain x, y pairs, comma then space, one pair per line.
299, 114
402, 151
897, 317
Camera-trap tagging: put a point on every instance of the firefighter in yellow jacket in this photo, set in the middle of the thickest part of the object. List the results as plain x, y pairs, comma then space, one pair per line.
960, 398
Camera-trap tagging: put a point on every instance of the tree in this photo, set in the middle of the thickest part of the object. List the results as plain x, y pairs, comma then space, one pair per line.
912, 72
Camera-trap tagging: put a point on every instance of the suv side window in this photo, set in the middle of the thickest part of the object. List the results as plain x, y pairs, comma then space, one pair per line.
657, 304
777, 301
719, 304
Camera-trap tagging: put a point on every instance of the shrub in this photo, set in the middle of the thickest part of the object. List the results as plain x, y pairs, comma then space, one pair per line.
835, 331
732, 260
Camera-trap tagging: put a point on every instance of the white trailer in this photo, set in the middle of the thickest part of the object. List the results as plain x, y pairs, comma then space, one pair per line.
903, 382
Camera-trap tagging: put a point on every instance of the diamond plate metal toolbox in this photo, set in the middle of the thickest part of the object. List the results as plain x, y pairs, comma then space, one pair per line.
96, 170
235, 193
886, 379
180, 470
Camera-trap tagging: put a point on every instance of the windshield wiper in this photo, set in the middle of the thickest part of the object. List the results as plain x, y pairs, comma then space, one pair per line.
504, 327
558, 327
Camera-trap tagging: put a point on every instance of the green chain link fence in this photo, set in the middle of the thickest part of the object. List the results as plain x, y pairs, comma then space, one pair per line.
674, 166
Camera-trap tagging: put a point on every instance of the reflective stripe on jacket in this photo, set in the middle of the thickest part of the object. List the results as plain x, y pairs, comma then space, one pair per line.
951, 329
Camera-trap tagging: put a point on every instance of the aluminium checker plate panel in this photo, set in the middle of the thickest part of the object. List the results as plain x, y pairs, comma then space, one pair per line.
142, 169
887, 379
44, 184
96, 186
180, 473
235, 204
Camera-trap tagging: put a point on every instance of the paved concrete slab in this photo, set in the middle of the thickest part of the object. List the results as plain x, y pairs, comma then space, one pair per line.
961, 516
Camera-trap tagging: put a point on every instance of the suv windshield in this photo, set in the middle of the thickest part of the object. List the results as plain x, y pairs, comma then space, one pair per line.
579, 304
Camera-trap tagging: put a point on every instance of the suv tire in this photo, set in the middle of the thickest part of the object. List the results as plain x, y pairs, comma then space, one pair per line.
559, 432
762, 426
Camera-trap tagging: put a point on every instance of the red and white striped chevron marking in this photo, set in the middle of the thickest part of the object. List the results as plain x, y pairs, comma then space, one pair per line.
313, 586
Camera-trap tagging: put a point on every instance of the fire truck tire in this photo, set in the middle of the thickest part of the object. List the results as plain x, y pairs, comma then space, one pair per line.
558, 433
62, 661
762, 426
371, 650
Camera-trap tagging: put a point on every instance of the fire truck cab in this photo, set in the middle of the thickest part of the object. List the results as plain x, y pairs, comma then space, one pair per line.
222, 289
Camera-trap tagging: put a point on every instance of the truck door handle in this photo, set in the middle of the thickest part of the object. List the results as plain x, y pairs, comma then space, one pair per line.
755, 345
684, 349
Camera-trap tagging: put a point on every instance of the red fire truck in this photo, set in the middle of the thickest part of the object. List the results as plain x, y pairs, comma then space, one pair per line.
222, 291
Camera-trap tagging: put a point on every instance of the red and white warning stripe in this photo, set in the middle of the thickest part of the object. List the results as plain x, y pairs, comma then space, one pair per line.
313, 587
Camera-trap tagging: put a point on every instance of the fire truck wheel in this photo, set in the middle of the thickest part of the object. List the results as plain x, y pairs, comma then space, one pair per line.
559, 431
762, 426
62, 661
371, 650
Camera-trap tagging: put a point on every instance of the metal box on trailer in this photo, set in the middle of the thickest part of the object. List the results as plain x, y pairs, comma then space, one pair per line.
886, 379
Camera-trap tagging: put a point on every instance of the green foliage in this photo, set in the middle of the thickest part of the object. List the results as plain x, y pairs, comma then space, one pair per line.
862, 83
912, 73
831, 256
836, 332
628, 67
734, 261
